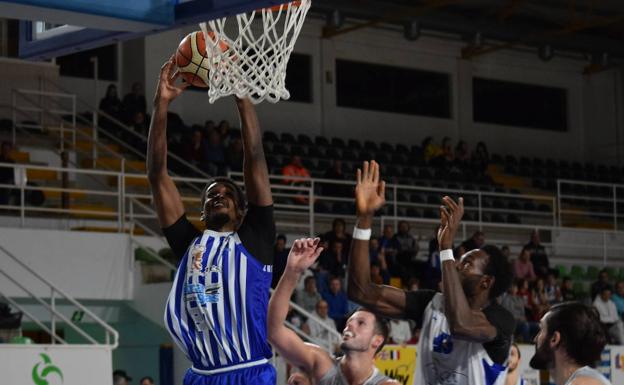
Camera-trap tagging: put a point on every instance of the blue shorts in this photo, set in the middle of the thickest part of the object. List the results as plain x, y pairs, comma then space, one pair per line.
257, 375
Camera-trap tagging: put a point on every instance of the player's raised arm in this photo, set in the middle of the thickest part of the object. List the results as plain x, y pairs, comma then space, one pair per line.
370, 197
255, 170
309, 358
169, 207
464, 320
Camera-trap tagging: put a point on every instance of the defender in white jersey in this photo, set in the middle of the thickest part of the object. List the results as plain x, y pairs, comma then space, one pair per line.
466, 334
363, 336
570, 341
216, 310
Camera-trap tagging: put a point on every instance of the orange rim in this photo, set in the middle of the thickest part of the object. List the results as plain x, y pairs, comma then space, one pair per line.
276, 8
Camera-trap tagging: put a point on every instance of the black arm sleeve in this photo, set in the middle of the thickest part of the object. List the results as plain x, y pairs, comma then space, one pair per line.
415, 304
257, 233
505, 324
180, 235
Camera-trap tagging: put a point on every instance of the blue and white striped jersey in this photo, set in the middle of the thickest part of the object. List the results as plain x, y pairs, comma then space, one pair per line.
217, 307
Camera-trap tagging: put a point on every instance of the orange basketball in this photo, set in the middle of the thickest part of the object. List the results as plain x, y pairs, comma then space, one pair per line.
192, 60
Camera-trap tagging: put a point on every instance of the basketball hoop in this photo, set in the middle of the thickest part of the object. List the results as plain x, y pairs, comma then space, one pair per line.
254, 63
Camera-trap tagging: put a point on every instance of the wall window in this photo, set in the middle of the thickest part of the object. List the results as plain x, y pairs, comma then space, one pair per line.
299, 78
520, 105
79, 64
393, 89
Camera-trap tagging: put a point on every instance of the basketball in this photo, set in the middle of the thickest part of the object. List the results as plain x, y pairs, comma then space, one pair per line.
192, 59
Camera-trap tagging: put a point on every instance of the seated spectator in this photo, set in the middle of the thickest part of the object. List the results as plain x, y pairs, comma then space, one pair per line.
538, 301
553, 291
388, 244
609, 316
399, 331
280, 256
515, 303
338, 303
379, 272
234, 155
338, 233
525, 292
309, 297
523, 267
195, 151
433, 272
297, 320
407, 249
462, 156
224, 130
134, 102
111, 105
319, 330
295, 169
139, 126
334, 261
602, 282
475, 242
618, 298
333, 189
480, 158
567, 290
215, 154
147, 380
506, 252
120, 377
430, 150
7, 174
539, 258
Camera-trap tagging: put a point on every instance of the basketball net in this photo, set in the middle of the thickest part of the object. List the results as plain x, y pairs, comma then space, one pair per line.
253, 63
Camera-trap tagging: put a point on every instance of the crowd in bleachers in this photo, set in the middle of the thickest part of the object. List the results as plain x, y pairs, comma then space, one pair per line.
396, 259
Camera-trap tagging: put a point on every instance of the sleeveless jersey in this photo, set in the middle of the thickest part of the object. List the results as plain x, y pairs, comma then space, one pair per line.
444, 360
217, 308
335, 377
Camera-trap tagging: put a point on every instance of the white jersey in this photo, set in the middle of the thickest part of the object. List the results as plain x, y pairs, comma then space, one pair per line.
586, 371
444, 360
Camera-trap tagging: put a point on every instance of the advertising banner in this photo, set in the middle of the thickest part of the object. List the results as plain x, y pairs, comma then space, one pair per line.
56, 364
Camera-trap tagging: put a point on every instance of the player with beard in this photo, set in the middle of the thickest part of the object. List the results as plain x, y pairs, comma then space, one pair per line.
466, 334
569, 342
514, 376
216, 310
363, 336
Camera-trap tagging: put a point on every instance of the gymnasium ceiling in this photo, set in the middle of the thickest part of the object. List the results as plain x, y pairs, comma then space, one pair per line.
574, 26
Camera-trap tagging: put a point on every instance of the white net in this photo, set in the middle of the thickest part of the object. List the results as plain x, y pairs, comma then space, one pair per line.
250, 60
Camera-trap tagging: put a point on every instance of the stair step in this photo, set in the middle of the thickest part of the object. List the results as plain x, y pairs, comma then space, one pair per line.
40, 175
87, 145
105, 229
133, 166
94, 211
57, 194
20, 156
130, 181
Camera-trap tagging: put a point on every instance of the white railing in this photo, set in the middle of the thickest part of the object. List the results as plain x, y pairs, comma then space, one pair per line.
111, 337
605, 198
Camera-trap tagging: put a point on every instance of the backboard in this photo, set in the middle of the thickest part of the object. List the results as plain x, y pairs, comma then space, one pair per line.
50, 28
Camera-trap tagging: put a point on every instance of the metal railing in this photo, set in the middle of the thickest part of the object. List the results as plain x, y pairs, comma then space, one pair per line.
111, 336
586, 201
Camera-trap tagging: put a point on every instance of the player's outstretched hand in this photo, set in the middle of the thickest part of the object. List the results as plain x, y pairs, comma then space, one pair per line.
370, 191
299, 379
167, 90
303, 254
451, 214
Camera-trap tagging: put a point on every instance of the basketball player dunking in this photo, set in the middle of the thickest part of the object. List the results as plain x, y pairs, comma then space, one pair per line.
216, 311
466, 334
